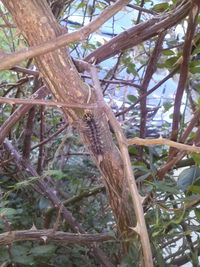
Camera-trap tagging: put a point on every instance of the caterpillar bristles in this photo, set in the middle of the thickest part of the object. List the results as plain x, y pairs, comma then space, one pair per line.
93, 133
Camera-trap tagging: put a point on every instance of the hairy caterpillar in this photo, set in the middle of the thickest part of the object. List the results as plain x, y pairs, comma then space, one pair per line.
93, 133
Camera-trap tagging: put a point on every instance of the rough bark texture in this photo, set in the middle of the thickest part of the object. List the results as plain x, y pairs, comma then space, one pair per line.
52, 235
139, 33
37, 24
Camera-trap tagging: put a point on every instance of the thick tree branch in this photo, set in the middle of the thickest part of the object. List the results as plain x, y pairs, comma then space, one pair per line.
140, 227
123, 41
8, 61
52, 236
139, 33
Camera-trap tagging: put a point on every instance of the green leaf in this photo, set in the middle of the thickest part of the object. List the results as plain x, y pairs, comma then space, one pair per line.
132, 150
8, 212
164, 187
81, 5
100, 5
198, 101
187, 177
141, 167
24, 259
131, 69
195, 70
196, 158
167, 105
168, 52
194, 63
197, 213
159, 257
171, 62
195, 189
144, 177
4, 254
43, 250
132, 98
197, 88
196, 50
19, 254
56, 174
161, 7
179, 216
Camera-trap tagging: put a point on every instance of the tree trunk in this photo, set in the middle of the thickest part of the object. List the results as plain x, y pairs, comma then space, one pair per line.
38, 25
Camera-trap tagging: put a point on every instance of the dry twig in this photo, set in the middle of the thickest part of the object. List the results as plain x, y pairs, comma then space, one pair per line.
163, 141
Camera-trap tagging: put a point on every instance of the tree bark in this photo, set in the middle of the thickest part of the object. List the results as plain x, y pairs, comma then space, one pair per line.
37, 24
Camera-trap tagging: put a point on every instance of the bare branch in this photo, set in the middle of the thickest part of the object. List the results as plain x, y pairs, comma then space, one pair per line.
151, 68
9, 60
177, 156
140, 228
192, 21
51, 137
51, 235
163, 141
19, 112
31, 102
139, 33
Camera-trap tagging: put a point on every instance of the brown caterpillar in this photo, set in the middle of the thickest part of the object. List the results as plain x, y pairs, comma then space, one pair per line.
93, 133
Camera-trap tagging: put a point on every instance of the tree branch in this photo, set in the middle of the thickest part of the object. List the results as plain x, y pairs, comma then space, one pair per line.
31, 102
50, 235
19, 112
9, 60
139, 33
163, 141
183, 79
140, 227
151, 67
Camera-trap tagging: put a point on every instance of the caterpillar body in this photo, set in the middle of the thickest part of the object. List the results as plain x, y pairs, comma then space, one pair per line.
93, 131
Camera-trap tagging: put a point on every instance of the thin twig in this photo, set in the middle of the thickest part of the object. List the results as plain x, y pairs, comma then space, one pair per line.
51, 137
151, 68
19, 113
14, 101
163, 141
187, 49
